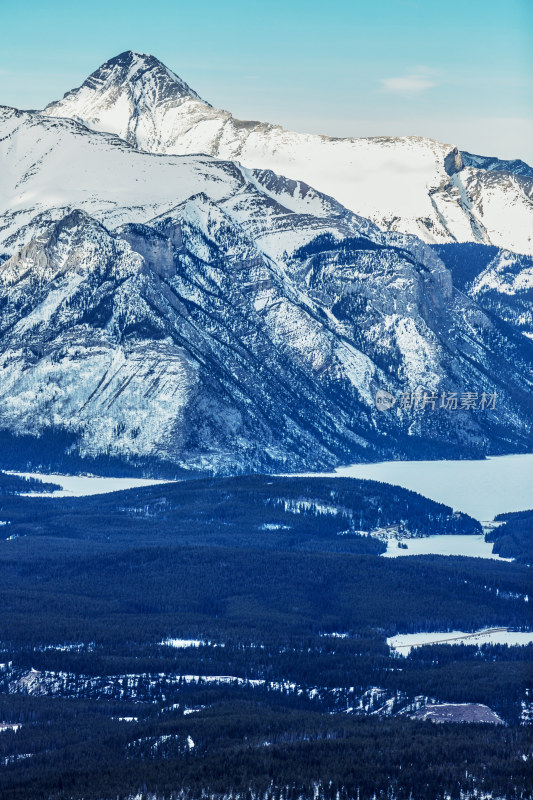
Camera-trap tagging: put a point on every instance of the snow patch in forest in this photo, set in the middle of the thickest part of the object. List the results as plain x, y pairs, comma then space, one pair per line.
470, 545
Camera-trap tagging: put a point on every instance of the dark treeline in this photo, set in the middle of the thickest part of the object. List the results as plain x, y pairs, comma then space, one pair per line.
324, 244
514, 539
15, 484
312, 679
90, 592
57, 450
466, 260
270, 610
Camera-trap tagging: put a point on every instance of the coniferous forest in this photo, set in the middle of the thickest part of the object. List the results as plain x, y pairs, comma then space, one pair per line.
514, 537
223, 637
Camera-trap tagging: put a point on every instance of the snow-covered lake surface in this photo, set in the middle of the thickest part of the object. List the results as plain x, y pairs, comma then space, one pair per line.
403, 643
444, 545
481, 488
84, 485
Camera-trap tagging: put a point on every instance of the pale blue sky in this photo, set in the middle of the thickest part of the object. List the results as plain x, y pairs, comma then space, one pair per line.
456, 70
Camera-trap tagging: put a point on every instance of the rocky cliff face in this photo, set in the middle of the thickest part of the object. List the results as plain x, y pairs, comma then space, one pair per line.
221, 358
492, 164
501, 282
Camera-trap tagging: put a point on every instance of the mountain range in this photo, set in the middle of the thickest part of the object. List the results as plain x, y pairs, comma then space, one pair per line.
167, 294
411, 184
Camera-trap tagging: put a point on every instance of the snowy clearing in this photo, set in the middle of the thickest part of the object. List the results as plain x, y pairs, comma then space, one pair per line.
458, 712
182, 643
473, 546
8, 726
403, 643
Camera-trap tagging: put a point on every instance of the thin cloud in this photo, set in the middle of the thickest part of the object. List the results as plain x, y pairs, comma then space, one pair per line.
408, 84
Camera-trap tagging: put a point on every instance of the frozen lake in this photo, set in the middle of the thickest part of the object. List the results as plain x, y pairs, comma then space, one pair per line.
84, 485
481, 488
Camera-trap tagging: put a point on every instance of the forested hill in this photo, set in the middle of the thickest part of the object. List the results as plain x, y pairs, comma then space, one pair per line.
15, 484
514, 539
258, 511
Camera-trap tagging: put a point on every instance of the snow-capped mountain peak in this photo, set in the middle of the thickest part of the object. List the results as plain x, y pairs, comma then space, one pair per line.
408, 184
139, 70
123, 95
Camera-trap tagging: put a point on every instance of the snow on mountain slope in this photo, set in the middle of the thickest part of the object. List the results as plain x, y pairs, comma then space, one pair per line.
123, 93
410, 184
507, 274
173, 363
500, 281
55, 164
500, 205
190, 310
50, 166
